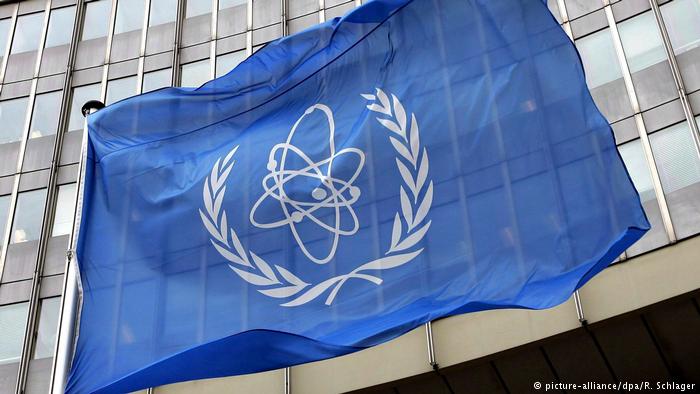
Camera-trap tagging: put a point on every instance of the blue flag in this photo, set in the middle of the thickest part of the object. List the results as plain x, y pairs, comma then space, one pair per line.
409, 161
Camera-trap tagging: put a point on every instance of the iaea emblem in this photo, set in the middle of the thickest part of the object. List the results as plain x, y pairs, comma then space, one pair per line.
331, 193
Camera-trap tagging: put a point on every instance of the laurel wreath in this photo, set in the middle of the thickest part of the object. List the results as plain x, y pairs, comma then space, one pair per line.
409, 226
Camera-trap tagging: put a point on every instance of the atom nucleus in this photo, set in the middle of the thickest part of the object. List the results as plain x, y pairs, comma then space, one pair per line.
330, 192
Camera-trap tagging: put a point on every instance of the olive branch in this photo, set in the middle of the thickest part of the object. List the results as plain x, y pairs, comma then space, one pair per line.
409, 226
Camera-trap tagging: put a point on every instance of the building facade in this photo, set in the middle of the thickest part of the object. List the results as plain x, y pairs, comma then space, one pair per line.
642, 61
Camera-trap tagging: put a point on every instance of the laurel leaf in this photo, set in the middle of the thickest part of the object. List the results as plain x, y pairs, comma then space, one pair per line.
424, 206
217, 202
225, 253
406, 208
224, 174
369, 97
290, 277
399, 114
376, 108
214, 176
407, 178
264, 267
206, 196
239, 248
223, 227
230, 155
384, 100
282, 292
402, 150
391, 126
422, 171
396, 231
412, 239
313, 292
213, 231
252, 278
415, 138
389, 262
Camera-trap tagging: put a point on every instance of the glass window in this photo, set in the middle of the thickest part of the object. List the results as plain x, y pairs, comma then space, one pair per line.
27, 33
633, 156
682, 20
227, 62
162, 11
46, 332
231, 3
26, 225
5, 25
677, 159
195, 74
81, 95
12, 117
13, 319
599, 58
47, 107
641, 41
119, 89
635, 161
156, 79
96, 23
129, 15
576, 8
65, 207
4, 213
60, 27
197, 7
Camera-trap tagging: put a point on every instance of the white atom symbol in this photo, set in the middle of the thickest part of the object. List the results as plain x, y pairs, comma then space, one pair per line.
331, 192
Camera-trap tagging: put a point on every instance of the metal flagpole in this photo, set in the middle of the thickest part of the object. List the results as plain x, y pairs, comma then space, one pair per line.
71, 287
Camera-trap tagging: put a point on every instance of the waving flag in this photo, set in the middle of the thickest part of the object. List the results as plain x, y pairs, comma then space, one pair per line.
410, 161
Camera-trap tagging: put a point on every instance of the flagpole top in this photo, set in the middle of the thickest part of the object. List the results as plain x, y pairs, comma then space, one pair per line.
92, 106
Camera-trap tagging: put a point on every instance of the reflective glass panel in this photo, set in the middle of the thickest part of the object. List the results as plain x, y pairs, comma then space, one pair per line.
156, 79
65, 206
47, 107
12, 118
162, 11
129, 15
27, 33
26, 225
678, 162
119, 89
46, 332
599, 58
81, 95
682, 20
195, 74
231, 3
635, 161
96, 23
197, 7
227, 62
641, 41
4, 34
13, 318
60, 27
633, 156
4, 213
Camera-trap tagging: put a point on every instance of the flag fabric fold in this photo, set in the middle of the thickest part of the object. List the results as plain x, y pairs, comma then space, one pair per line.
410, 161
